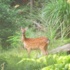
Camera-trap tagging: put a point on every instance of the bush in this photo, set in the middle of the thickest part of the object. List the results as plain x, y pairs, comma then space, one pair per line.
16, 62
11, 19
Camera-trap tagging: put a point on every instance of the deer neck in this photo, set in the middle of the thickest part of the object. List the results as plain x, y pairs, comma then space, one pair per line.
23, 37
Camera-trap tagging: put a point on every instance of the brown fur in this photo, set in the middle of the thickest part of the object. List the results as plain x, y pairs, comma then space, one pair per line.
35, 43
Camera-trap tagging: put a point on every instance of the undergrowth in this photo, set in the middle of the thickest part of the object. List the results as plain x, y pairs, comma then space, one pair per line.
16, 60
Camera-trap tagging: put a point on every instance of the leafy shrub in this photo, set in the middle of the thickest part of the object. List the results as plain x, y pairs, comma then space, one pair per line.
17, 62
11, 19
61, 63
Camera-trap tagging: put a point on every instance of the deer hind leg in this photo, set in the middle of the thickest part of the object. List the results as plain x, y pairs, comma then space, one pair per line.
44, 51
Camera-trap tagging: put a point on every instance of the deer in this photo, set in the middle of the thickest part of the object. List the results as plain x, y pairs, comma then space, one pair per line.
40, 43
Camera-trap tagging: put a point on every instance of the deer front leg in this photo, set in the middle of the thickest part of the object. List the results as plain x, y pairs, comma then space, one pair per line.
29, 50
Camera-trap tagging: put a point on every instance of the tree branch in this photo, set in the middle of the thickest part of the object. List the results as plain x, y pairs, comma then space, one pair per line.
64, 48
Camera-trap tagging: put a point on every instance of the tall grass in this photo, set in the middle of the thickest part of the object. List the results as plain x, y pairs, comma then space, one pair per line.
55, 17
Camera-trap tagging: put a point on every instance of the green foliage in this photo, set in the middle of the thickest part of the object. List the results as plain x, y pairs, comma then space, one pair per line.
62, 63
54, 18
10, 21
14, 61
6, 23
55, 15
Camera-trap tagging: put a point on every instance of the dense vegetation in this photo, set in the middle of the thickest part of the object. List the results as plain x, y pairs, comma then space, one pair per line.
49, 18
51, 62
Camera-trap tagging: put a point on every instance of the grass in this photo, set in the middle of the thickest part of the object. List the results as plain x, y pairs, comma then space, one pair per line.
18, 60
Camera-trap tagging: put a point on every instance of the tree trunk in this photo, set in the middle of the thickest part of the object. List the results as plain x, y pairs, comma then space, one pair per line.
31, 5
64, 48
